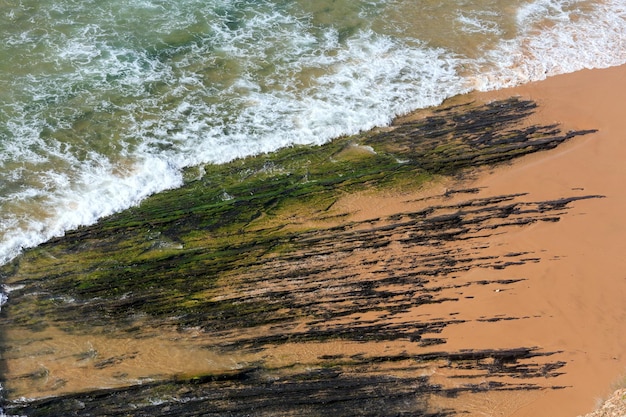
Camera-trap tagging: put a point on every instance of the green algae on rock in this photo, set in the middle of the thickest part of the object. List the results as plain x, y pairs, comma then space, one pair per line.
253, 254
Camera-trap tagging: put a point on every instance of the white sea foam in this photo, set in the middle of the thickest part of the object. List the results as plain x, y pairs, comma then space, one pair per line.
538, 10
479, 22
572, 42
99, 192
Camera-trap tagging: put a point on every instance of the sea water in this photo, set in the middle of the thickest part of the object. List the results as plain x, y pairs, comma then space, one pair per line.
103, 103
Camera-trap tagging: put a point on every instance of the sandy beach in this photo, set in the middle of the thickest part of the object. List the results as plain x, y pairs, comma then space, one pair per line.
302, 209
579, 297
573, 301
522, 314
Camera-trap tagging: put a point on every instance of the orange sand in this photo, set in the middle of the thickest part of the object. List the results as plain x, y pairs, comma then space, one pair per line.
574, 300
580, 295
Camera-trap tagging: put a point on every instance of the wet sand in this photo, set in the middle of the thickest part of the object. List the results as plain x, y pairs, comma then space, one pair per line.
581, 295
577, 299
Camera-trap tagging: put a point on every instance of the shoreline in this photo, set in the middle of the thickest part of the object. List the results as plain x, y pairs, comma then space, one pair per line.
514, 302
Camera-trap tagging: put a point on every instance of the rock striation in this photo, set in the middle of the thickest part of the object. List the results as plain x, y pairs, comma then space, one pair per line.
282, 302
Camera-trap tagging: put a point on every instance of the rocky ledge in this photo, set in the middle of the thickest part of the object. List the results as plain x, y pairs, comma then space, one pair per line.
280, 302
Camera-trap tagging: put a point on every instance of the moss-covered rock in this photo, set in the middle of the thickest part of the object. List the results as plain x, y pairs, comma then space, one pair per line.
241, 251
